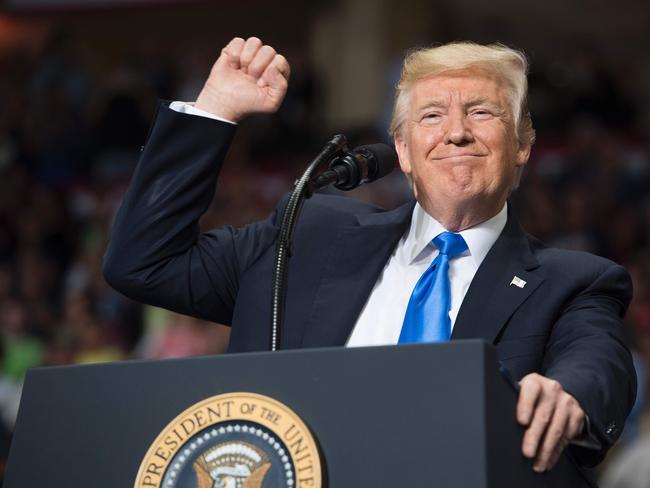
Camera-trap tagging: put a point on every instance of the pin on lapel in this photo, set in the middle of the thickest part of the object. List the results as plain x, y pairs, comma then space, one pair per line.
518, 282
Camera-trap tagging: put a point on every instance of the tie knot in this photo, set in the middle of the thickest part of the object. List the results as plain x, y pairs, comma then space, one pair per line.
450, 244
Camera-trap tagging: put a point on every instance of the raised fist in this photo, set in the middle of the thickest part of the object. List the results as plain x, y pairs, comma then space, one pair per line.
248, 78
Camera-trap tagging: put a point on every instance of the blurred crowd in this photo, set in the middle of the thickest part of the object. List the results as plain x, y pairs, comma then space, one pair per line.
70, 136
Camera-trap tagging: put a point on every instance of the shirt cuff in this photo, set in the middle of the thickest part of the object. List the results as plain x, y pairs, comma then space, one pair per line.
587, 439
189, 108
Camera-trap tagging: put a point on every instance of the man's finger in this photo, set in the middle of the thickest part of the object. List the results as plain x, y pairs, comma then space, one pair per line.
283, 66
557, 453
553, 438
251, 46
576, 420
260, 62
534, 433
276, 75
232, 52
529, 394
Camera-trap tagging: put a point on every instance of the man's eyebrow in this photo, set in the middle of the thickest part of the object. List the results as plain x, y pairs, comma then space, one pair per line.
432, 104
471, 102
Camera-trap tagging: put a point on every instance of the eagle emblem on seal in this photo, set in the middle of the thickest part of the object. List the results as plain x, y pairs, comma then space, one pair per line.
231, 465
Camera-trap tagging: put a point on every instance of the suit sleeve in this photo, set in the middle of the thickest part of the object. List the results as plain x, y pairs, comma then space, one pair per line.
156, 253
587, 354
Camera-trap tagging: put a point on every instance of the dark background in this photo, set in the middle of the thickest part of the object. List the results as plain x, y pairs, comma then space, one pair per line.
80, 80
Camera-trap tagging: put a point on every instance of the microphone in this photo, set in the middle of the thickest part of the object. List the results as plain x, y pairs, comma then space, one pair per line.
347, 170
363, 164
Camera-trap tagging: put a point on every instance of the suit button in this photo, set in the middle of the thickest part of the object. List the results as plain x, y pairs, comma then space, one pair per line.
611, 429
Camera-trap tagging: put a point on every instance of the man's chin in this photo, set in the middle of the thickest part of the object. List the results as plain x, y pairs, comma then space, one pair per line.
469, 206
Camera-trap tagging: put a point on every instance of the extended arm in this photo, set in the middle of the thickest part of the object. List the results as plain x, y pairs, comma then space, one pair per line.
587, 371
156, 253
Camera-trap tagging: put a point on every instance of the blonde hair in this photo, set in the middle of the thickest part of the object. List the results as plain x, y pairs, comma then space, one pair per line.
508, 65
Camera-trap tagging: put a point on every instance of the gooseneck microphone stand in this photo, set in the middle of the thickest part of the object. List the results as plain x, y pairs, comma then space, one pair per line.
302, 189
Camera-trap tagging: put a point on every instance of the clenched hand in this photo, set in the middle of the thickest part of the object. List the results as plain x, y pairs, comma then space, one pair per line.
248, 78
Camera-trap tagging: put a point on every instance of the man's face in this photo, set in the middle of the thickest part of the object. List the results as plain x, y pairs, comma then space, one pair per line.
459, 144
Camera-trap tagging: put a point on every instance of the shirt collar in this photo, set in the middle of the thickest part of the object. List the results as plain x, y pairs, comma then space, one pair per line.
479, 238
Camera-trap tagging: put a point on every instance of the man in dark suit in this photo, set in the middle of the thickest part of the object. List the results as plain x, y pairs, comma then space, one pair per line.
463, 134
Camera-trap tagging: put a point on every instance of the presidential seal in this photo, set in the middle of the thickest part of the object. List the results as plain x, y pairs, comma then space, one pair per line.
234, 440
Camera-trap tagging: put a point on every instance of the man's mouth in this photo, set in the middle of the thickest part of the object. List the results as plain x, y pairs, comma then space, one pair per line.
458, 157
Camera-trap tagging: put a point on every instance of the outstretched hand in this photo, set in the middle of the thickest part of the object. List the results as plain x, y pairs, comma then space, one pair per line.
552, 417
247, 78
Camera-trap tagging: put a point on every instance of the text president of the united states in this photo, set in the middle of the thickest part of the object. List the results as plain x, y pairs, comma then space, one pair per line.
364, 276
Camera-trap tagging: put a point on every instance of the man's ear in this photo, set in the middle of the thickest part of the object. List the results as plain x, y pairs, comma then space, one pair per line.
402, 154
523, 153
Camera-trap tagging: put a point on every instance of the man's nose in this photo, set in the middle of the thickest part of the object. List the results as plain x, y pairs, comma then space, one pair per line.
458, 130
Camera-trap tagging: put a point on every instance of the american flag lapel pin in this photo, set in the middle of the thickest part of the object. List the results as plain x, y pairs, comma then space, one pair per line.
518, 282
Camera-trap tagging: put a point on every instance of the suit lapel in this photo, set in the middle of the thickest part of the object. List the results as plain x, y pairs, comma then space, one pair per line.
492, 297
354, 264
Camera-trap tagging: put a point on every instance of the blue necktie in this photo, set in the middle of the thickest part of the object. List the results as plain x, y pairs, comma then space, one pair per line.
427, 314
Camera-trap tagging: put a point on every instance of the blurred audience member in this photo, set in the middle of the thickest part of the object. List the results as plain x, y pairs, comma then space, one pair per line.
170, 335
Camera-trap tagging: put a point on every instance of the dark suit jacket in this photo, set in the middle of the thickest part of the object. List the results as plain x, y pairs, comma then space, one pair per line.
564, 323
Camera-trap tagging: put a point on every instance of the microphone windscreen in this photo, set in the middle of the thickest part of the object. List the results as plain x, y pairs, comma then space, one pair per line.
382, 159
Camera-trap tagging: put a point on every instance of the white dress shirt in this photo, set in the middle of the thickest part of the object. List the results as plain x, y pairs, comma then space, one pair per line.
380, 321
189, 108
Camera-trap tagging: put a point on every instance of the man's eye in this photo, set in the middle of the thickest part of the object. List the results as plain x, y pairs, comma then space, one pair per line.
481, 113
432, 116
